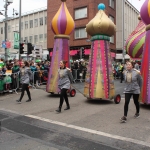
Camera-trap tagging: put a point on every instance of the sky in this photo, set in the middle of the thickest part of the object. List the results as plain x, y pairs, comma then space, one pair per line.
30, 5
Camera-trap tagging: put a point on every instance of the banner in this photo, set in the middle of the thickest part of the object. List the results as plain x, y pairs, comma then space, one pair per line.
16, 40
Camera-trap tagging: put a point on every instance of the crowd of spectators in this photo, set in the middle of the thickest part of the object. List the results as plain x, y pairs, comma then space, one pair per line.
10, 69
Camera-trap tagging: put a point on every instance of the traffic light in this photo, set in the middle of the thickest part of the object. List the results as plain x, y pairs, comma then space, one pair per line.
83, 53
78, 54
29, 48
21, 48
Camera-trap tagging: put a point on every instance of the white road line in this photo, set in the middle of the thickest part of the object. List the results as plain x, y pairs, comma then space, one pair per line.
91, 131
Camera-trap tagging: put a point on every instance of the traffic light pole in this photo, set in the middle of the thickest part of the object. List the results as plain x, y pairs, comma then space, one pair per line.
123, 54
27, 51
6, 2
19, 29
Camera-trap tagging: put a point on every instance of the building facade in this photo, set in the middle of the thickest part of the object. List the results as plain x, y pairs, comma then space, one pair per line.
124, 26
82, 12
36, 25
33, 29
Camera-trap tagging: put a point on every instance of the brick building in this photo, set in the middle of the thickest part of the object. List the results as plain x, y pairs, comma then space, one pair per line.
82, 12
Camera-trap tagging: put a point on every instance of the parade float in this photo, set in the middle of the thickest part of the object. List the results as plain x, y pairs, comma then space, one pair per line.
135, 42
99, 83
145, 67
62, 26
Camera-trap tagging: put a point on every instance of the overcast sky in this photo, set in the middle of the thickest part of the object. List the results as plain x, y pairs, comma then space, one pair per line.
29, 5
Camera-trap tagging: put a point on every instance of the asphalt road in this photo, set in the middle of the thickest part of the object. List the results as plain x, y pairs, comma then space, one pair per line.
119, 87
88, 125
21, 132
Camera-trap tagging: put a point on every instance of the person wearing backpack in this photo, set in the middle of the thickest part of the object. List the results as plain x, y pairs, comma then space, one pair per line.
26, 76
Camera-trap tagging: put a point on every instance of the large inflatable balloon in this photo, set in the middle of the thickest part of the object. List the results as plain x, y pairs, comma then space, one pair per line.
62, 25
99, 83
135, 42
145, 67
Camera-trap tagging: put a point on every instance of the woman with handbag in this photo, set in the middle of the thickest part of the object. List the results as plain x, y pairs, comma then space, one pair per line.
26, 75
65, 80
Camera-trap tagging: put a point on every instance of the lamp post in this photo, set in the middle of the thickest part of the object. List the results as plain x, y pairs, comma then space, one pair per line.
19, 27
6, 5
123, 56
14, 12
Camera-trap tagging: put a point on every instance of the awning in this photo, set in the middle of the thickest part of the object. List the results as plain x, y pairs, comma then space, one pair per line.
120, 56
87, 52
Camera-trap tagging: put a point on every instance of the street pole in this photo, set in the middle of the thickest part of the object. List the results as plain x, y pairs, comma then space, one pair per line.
19, 28
6, 2
123, 59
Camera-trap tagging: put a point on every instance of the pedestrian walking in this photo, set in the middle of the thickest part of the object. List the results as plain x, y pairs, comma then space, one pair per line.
133, 80
65, 80
26, 75
121, 73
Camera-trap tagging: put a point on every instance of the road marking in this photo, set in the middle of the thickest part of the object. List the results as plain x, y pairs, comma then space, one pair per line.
91, 131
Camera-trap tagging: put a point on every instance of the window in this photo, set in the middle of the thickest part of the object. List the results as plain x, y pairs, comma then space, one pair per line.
112, 3
41, 21
21, 25
45, 36
81, 13
26, 24
112, 18
35, 38
26, 39
80, 33
31, 23
9, 28
30, 39
45, 20
41, 38
35, 22
1, 30
112, 39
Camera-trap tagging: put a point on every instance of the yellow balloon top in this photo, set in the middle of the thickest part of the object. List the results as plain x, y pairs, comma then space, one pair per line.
101, 24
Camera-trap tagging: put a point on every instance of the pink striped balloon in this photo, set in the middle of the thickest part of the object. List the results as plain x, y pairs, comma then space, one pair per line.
135, 42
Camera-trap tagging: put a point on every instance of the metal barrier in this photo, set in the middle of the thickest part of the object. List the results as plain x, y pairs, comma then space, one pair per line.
78, 75
39, 77
9, 82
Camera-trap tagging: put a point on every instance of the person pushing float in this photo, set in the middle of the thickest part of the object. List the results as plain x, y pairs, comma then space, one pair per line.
99, 83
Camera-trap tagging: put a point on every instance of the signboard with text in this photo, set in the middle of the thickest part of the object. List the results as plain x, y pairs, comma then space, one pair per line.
16, 40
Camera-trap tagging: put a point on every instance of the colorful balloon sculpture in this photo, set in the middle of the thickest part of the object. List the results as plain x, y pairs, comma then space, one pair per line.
135, 42
62, 25
99, 83
145, 67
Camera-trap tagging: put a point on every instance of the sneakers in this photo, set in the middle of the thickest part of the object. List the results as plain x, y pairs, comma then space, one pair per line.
29, 100
18, 101
58, 110
67, 108
123, 119
137, 115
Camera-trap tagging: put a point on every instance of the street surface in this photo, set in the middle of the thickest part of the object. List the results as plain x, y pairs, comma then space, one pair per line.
88, 125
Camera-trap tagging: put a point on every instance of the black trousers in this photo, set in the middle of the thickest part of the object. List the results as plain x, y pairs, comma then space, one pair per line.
127, 101
25, 88
63, 95
121, 77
